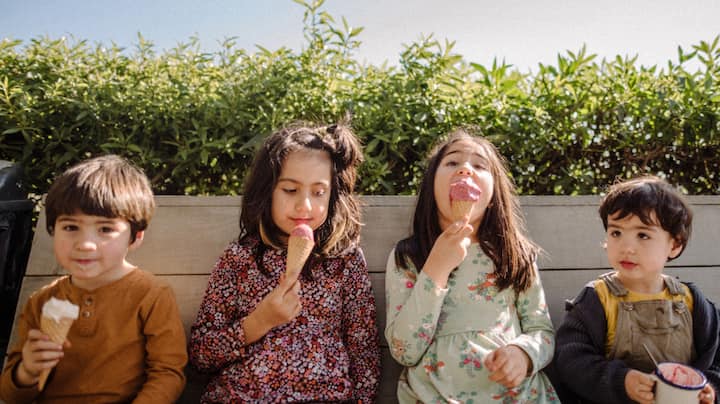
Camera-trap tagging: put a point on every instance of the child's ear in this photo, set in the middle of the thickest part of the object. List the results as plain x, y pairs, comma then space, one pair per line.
138, 240
676, 249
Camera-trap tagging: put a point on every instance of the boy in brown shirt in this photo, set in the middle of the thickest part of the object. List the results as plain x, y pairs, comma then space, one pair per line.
128, 343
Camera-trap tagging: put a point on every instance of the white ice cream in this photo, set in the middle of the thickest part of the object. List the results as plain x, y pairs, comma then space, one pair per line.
57, 309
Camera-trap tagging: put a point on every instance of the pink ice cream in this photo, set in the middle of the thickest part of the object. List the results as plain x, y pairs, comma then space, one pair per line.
463, 195
464, 190
302, 230
680, 375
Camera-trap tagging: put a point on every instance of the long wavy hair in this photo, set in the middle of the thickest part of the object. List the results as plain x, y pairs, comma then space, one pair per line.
341, 229
501, 232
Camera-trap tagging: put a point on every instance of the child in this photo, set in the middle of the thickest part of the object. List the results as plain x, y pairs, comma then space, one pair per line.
270, 338
128, 343
466, 312
601, 353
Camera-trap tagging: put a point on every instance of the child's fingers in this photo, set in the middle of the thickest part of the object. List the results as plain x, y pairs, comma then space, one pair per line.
489, 361
293, 290
38, 341
286, 284
37, 335
454, 228
707, 394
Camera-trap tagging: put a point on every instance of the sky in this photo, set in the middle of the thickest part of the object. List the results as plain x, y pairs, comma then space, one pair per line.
520, 32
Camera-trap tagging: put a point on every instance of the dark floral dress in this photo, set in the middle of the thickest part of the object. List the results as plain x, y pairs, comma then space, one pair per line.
330, 352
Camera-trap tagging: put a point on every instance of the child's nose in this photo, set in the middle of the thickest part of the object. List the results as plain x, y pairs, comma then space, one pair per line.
86, 244
464, 169
628, 247
303, 204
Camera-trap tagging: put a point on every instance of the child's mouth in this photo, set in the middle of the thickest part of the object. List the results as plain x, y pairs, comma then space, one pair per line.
628, 265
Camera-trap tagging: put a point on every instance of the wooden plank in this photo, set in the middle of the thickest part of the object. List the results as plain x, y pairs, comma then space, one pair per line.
188, 233
189, 291
389, 375
563, 285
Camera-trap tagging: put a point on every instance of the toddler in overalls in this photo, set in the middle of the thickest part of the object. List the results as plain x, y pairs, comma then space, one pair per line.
602, 345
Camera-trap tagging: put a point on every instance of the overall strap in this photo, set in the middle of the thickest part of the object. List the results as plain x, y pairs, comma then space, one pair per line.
674, 285
613, 284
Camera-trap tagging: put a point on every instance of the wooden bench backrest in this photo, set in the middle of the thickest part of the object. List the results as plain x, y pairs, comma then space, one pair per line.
187, 235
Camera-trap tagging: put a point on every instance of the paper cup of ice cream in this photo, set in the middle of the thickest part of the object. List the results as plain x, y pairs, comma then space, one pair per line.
677, 383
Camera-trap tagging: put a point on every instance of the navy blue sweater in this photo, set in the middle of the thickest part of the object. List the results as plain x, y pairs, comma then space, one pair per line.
582, 374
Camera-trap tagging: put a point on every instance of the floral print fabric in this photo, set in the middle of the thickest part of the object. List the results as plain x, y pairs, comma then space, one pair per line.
441, 336
328, 353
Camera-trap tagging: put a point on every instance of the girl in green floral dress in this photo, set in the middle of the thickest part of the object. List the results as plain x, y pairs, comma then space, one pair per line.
466, 312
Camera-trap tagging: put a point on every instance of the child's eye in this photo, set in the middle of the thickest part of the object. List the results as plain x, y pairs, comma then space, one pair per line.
451, 163
479, 167
320, 192
615, 233
643, 236
69, 227
289, 190
106, 229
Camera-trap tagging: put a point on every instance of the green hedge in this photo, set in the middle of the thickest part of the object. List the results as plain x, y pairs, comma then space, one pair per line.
192, 119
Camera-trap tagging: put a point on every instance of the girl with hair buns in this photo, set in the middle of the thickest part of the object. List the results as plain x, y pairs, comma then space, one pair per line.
269, 337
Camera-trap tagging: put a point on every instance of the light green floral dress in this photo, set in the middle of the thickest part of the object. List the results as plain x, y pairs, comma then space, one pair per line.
441, 336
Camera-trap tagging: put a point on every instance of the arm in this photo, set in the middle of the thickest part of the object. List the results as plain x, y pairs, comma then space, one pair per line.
538, 335
706, 330
580, 360
11, 391
414, 303
217, 337
166, 356
360, 330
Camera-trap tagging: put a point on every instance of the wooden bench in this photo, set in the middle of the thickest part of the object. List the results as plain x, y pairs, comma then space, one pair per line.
188, 233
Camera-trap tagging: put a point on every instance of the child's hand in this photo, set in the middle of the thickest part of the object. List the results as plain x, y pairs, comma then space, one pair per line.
639, 386
707, 395
508, 365
281, 305
38, 353
449, 250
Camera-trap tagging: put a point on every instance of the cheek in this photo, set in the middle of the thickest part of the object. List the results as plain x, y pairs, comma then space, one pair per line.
323, 206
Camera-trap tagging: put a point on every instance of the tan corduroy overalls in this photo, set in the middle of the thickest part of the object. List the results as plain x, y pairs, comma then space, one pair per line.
664, 326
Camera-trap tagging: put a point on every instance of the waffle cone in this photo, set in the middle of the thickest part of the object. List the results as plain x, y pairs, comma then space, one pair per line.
461, 209
57, 331
299, 249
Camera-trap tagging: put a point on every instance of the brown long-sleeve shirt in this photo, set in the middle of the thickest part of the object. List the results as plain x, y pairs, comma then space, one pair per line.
128, 345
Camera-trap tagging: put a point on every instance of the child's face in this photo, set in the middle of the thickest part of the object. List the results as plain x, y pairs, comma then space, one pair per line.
302, 193
463, 159
638, 251
93, 248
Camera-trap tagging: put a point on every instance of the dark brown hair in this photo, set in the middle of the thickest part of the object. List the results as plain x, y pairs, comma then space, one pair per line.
644, 196
108, 186
501, 232
341, 229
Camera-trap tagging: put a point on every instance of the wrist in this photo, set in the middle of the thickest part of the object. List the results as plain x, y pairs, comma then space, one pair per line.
254, 327
23, 376
438, 277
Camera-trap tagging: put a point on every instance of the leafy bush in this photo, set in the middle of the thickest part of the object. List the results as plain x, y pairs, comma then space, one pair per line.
192, 119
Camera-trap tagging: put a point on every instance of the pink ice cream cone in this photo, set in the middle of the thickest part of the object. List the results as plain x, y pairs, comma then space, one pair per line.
463, 196
300, 245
